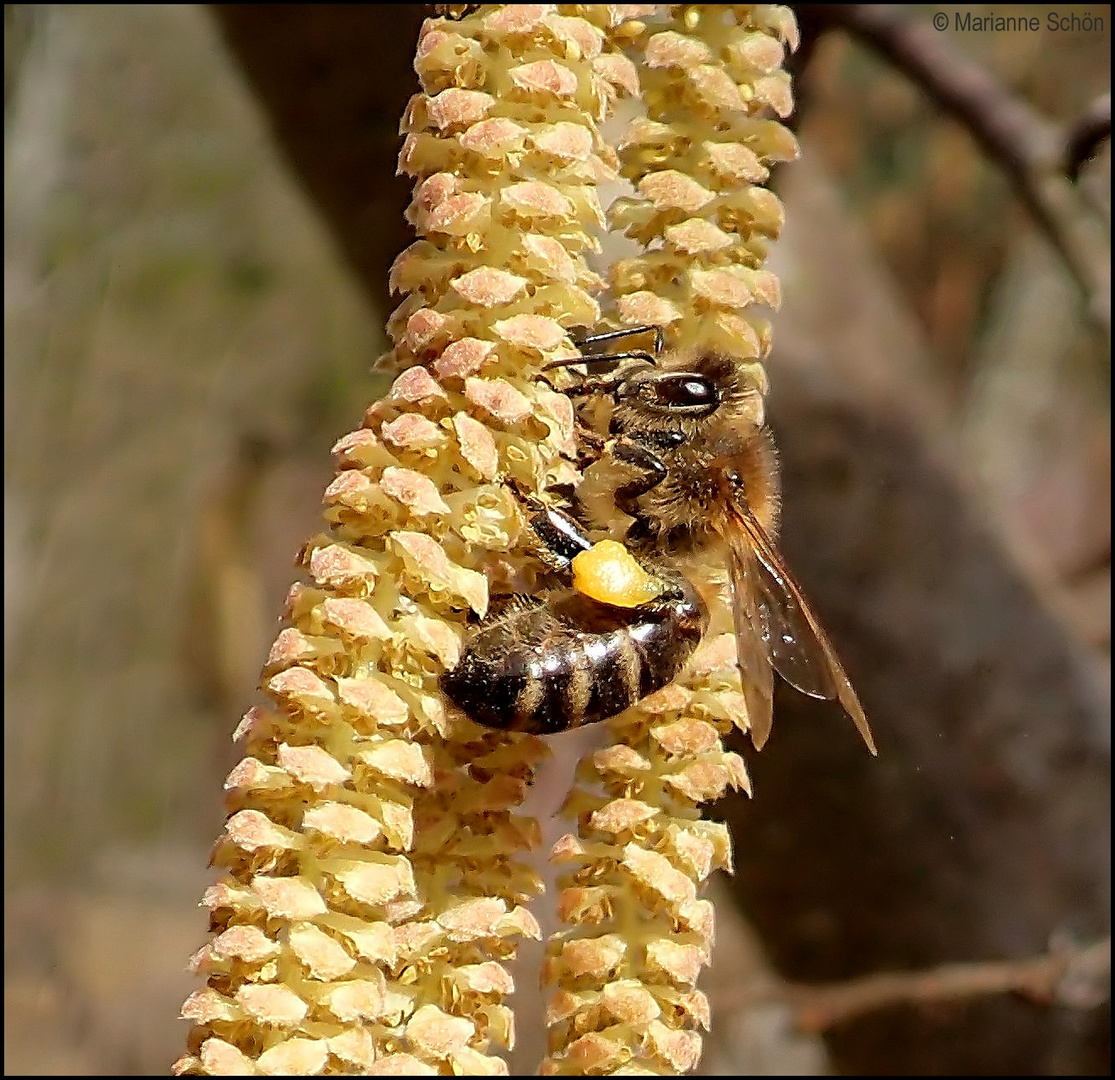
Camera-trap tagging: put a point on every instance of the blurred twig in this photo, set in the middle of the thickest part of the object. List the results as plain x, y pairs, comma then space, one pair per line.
1074, 976
1086, 134
1040, 158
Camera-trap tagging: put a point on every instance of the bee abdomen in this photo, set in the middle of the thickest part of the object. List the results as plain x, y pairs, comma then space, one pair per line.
550, 665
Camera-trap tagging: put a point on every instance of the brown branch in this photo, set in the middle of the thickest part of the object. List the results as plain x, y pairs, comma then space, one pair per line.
1086, 134
1032, 152
1076, 977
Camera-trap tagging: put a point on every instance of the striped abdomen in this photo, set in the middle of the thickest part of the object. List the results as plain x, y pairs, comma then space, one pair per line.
547, 665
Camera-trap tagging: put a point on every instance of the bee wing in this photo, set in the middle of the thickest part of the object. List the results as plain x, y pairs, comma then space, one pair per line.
752, 632
798, 648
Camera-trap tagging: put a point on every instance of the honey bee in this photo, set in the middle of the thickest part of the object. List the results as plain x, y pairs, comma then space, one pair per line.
689, 460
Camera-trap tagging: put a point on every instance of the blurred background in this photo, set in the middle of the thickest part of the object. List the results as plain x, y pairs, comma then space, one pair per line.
200, 209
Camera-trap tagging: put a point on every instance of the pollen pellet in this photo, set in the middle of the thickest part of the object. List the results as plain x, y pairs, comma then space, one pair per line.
608, 572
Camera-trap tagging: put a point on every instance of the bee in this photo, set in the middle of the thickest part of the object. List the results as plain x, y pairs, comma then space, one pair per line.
688, 459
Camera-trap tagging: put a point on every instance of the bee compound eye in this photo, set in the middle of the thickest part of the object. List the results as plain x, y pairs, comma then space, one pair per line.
687, 391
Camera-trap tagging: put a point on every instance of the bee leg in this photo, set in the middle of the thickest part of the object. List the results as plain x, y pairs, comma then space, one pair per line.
558, 538
651, 473
587, 437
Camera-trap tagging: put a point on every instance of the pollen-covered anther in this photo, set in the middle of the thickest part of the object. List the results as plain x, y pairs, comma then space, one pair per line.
544, 78
671, 698
248, 944
698, 236
356, 619
630, 1002
646, 308
618, 71
775, 90
736, 164
464, 357
416, 386
477, 446
724, 287
251, 830
290, 647
489, 137
595, 1054
671, 49
621, 815
537, 332
533, 199
207, 1005
294, 1057
355, 1047
485, 978
680, 961
323, 957
378, 881
657, 873
595, 958
312, 765
277, 1005
680, 1049
564, 140
343, 823
757, 51
488, 287
674, 190
499, 399
695, 853
455, 107
436, 1034
356, 999
715, 89
372, 698
413, 432
455, 214
401, 1065
707, 779
549, 259
434, 637
302, 688
399, 760
424, 329
515, 19
568, 849
288, 897
361, 449
424, 557
436, 190
487, 917
221, 1058
620, 760
250, 774
687, 737
417, 492
340, 566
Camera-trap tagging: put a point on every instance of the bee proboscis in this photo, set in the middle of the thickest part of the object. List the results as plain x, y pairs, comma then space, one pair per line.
688, 458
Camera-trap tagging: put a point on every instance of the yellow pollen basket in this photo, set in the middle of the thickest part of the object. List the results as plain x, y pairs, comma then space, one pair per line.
609, 573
